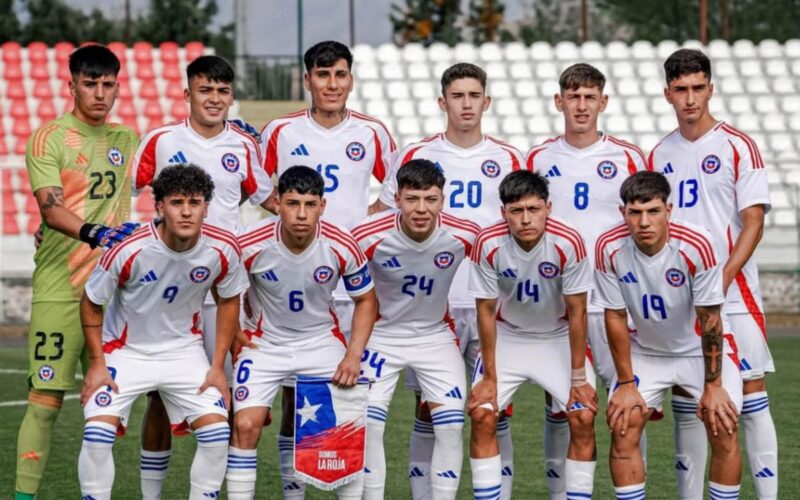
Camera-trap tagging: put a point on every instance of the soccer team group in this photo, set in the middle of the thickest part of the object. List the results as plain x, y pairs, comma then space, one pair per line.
581, 261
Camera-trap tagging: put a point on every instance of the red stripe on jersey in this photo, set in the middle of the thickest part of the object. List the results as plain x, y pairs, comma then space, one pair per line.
490, 256
750, 303
247, 137
700, 242
707, 263
579, 254
337, 332
410, 155
370, 252
486, 234
125, 273
538, 149
611, 260
689, 263
755, 154
108, 257
736, 159
361, 116
248, 263
629, 146
378, 167
650, 159
570, 233
222, 235
451, 324
345, 239
467, 245
271, 155
376, 226
340, 259
562, 257
631, 164
146, 169
257, 235
115, 344
604, 240
223, 265
512, 152
249, 183
459, 223
295, 114
196, 320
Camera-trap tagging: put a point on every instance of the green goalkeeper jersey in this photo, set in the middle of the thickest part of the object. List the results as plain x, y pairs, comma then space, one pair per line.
92, 166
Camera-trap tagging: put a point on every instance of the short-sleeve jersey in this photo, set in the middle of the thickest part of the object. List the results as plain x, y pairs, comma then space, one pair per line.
472, 189
346, 156
232, 159
530, 286
156, 294
584, 183
412, 279
660, 291
290, 297
92, 166
713, 179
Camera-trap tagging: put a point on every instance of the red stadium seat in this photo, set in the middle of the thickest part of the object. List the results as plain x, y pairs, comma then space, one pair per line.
172, 72
153, 111
16, 90
62, 73
145, 202
46, 110
149, 90
13, 71
39, 71
3, 145
63, 92
24, 181
145, 71
19, 109
34, 222
169, 52
119, 49
37, 52
6, 183
194, 50
175, 90
125, 91
143, 52
42, 89
31, 207
21, 128
63, 50
20, 145
125, 108
12, 52
179, 109
131, 122
123, 75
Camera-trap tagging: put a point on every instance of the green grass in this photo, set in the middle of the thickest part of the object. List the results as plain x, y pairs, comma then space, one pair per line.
61, 479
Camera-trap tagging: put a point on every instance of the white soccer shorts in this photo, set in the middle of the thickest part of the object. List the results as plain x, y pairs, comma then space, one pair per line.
176, 378
601, 354
755, 360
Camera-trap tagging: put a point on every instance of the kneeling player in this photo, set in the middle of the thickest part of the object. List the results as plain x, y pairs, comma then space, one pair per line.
526, 272
413, 255
294, 262
156, 281
667, 275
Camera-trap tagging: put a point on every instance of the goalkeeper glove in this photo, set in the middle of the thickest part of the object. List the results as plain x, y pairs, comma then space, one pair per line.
99, 235
246, 128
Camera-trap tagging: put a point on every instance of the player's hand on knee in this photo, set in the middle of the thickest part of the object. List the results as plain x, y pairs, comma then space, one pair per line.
347, 372
96, 377
215, 377
483, 392
716, 409
625, 400
583, 396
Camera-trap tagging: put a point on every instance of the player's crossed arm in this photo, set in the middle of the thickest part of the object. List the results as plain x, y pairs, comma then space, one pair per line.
715, 406
626, 397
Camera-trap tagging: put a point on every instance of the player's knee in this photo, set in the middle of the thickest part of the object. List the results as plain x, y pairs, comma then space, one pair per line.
484, 422
581, 427
723, 444
246, 431
755, 385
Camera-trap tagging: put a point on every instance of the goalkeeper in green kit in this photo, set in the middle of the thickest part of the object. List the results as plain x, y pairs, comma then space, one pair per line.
79, 169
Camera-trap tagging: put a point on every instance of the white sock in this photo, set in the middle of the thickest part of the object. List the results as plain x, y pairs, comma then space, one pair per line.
556, 443
761, 444
420, 453
691, 447
718, 491
448, 451
486, 482
241, 473
292, 487
96, 460
152, 472
352, 490
210, 461
506, 457
643, 448
580, 479
375, 459
632, 492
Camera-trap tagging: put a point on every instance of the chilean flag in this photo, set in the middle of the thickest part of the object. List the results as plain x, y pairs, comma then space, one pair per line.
330, 431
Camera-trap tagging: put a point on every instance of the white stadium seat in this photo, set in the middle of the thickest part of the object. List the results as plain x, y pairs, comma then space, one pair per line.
440, 52
618, 51
525, 88
415, 52
393, 71
541, 51
465, 52
744, 49
490, 52
397, 90
718, 49
424, 90
643, 49
592, 51
520, 70
770, 49
567, 51
515, 51
388, 52
419, 71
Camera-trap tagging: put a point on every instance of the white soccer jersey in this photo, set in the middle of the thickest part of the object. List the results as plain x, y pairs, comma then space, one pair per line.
232, 159
472, 189
713, 179
584, 183
660, 291
346, 156
156, 294
290, 297
530, 286
412, 279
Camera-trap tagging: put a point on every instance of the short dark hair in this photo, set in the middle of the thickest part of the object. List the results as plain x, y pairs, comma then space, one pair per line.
93, 61
462, 70
523, 183
215, 68
685, 62
325, 54
419, 174
644, 186
183, 179
581, 75
301, 180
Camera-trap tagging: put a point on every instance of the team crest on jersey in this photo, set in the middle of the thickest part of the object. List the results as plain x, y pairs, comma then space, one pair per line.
323, 274
46, 373
548, 270
607, 169
103, 398
355, 151
443, 260
490, 168
675, 277
230, 162
115, 157
711, 164
241, 393
199, 274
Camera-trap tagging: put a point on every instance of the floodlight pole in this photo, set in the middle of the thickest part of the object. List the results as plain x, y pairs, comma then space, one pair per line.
240, 36
704, 22
584, 21
300, 44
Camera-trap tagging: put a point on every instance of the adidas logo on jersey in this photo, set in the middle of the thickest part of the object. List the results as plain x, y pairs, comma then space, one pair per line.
415, 472
270, 276
448, 474
509, 273
149, 277
744, 365
392, 263
454, 393
765, 473
299, 151
681, 466
553, 172
668, 169
629, 278
178, 157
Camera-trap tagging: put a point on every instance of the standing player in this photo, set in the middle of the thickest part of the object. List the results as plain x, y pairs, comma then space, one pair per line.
151, 337
346, 148
79, 172
294, 262
585, 169
719, 182
667, 276
233, 160
414, 253
530, 278
473, 165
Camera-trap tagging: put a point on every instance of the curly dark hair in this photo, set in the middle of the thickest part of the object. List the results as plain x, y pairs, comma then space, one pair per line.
184, 179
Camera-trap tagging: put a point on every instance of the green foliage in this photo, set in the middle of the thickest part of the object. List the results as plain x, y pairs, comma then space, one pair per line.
188, 21
52, 21
485, 18
9, 24
426, 22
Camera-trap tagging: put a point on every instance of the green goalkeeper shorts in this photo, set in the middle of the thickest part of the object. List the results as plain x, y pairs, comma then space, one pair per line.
55, 345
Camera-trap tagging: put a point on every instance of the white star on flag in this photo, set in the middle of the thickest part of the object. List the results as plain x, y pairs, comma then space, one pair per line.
308, 412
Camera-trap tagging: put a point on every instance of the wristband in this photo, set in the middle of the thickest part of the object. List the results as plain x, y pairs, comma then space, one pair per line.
621, 382
578, 377
89, 233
